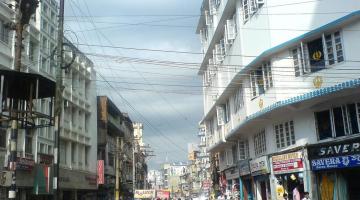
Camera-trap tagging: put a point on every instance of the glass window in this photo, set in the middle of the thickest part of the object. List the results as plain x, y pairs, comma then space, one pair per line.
2, 138
260, 143
339, 121
323, 122
353, 118
243, 149
238, 100
234, 153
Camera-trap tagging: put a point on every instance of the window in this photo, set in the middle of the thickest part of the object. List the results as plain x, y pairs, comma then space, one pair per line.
315, 55
62, 152
111, 160
73, 153
243, 149
238, 99
222, 156
4, 32
261, 79
285, 134
234, 153
250, 7
28, 143
260, 143
227, 111
230, 30
50, 150
2, 138
229, 158
86, 156
338, 121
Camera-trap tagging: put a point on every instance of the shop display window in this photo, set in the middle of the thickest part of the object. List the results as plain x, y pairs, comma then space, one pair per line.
288, 184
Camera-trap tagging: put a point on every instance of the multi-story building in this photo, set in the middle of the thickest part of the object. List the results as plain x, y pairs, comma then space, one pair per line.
281, 100
155, 179
78, 131
141, 168
175, 178
110, 129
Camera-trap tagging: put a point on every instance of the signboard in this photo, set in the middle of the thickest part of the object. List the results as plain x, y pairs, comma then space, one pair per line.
25, 164
336, 162
244, 167
259, 166
335, 155
349, 147
162, 194
287, 163
100, 172
144, 194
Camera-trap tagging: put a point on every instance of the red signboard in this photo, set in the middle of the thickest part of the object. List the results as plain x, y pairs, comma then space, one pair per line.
287, 163
100, 172
162, 194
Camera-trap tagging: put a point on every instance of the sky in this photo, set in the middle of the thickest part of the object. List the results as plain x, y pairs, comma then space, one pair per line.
165, 97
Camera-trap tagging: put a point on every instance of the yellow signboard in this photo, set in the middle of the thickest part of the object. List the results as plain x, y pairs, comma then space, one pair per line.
144, 194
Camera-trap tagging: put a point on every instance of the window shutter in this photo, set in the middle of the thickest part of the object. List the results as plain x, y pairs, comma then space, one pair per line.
208, 19
219, 53
231, 32
305, 59
245, 6
220, 112
253, 83
253, 6
212, 7
201, 37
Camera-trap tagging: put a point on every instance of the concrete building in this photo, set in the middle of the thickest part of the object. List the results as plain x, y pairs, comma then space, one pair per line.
155, 179
140, 154
281, 89
78, 132
175, 175
110, 129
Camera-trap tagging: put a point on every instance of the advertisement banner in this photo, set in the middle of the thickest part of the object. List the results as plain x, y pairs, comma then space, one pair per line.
163, 194
336, 162
259, 166
144, 194
287, 163
334, 149
100, 172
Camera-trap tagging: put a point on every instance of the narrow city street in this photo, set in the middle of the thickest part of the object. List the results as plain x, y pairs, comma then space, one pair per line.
179, 100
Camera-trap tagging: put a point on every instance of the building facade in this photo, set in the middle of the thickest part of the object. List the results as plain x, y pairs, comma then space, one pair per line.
78, 131
140, 154
281, 92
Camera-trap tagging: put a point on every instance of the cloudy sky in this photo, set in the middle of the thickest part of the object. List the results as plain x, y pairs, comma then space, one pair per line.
165, 96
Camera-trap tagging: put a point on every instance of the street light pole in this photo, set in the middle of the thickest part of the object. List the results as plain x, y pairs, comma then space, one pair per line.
58, 100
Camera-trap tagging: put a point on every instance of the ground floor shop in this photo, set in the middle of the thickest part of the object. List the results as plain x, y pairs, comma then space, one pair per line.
289, 170
260, 172
336, 169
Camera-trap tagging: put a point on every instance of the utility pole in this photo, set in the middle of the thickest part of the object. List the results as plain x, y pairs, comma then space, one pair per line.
119, 147
58, 100
24, 8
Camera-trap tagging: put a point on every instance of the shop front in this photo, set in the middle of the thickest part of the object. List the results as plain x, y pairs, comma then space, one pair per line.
232, 177
246, 181
288, 170
336, 166
260, 173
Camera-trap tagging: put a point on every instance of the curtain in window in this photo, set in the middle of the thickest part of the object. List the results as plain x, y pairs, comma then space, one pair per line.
342, 188
327, 187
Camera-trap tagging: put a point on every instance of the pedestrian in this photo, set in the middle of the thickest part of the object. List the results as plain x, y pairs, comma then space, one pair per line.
306, 196
296, 193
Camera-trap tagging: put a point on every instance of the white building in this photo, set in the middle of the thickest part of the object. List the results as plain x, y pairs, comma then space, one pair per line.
155, 179
281, 78
78, 133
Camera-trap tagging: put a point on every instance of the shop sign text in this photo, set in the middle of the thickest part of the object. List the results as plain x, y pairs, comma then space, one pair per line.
286, 163
259, 166
336, 162
335, 149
